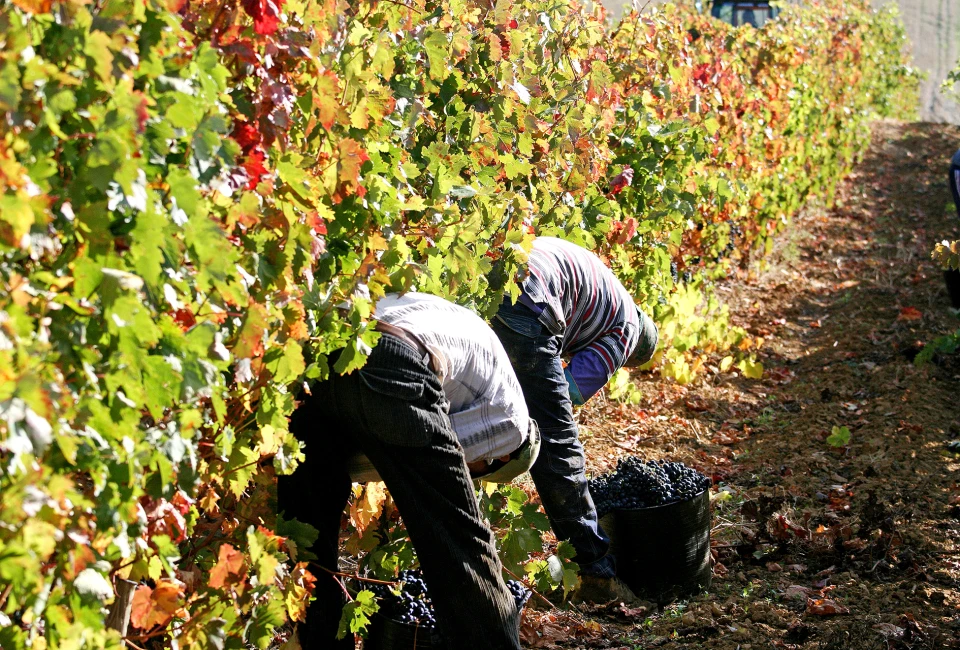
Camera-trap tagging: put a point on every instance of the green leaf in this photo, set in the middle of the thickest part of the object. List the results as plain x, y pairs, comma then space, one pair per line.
98, 49
438, 54
240, 469
265, 618
9, 86
839, 436
356, 614
515, 168
285, 363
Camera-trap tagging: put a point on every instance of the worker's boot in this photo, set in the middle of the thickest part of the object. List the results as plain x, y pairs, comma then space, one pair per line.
598, 590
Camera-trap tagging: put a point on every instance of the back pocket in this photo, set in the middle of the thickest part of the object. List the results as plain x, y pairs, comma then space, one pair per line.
401, 407
522, 325
393, 383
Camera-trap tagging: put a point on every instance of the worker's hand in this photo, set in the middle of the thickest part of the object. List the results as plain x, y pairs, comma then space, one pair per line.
480, 467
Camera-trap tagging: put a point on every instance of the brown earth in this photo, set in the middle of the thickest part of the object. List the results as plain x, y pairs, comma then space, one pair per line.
804, 529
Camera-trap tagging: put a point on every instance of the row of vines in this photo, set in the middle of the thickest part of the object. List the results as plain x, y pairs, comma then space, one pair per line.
200, 200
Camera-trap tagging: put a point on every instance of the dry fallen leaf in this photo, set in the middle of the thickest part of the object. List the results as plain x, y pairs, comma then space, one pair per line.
910, 313
825, 607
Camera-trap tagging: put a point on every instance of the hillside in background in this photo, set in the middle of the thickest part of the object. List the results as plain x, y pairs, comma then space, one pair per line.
934, 29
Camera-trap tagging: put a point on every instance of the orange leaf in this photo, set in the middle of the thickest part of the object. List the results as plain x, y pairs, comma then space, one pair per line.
152, 607
250, 339
352, 157
229, 563
34, 6
326, 99
825, 607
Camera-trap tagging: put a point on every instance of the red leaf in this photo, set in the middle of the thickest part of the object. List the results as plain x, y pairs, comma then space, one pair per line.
621, 180
910, 313
142, 113
185, 318
246, 135
255, 169
317, 224
265, 14
244, 49
165, 518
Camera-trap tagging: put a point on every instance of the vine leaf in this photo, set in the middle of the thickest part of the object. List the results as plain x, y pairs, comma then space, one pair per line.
229, 567
265, 14
156, 606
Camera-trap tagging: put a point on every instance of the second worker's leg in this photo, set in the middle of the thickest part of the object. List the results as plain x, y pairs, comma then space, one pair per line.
559, 472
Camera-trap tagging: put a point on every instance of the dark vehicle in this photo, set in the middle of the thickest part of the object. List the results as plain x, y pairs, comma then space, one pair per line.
744, 12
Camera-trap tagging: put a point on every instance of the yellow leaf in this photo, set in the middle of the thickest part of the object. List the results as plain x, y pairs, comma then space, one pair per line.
376, 242
368, 506
751, 369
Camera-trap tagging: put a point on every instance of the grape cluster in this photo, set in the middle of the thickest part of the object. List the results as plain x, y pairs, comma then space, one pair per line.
414, 607
520, 592
642, 484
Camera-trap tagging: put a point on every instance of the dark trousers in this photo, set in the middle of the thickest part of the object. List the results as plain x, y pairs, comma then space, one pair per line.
952, 276
559, 472
394, 411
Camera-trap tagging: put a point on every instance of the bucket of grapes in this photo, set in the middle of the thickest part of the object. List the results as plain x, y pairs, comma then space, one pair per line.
657, 515
406, 620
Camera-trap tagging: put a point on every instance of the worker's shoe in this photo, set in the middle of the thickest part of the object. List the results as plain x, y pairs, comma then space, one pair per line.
601, 591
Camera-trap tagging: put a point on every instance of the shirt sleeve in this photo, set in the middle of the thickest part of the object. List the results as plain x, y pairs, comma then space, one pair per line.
590, 372
593, 366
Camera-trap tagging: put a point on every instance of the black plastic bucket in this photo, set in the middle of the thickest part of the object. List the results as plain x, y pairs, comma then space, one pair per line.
388, 634
663, 552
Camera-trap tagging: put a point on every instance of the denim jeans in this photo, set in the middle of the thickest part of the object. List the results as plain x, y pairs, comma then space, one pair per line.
559, 471
395, 412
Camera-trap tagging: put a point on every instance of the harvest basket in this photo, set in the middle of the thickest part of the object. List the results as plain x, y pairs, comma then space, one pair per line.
663, 552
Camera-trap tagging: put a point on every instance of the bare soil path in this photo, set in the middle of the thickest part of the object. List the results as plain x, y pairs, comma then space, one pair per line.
818, 547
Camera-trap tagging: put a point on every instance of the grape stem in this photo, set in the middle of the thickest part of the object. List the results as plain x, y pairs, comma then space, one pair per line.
341, 574
530, 587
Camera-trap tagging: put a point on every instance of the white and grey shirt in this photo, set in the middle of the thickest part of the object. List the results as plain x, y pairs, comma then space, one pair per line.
487, 409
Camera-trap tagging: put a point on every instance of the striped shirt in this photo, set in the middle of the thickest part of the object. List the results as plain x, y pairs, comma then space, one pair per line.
487, 410
580, 299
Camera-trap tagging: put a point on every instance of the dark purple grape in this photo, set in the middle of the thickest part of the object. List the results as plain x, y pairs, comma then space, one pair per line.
642, 484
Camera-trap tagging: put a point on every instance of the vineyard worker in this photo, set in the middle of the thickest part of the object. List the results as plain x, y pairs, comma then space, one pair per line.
952, 276
436, 392
571, 305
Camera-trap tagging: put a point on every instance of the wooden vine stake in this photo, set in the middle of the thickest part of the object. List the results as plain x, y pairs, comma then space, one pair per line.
118, 618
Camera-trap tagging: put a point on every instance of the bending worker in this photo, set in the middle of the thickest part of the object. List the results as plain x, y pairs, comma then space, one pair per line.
436, 392
571, 305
